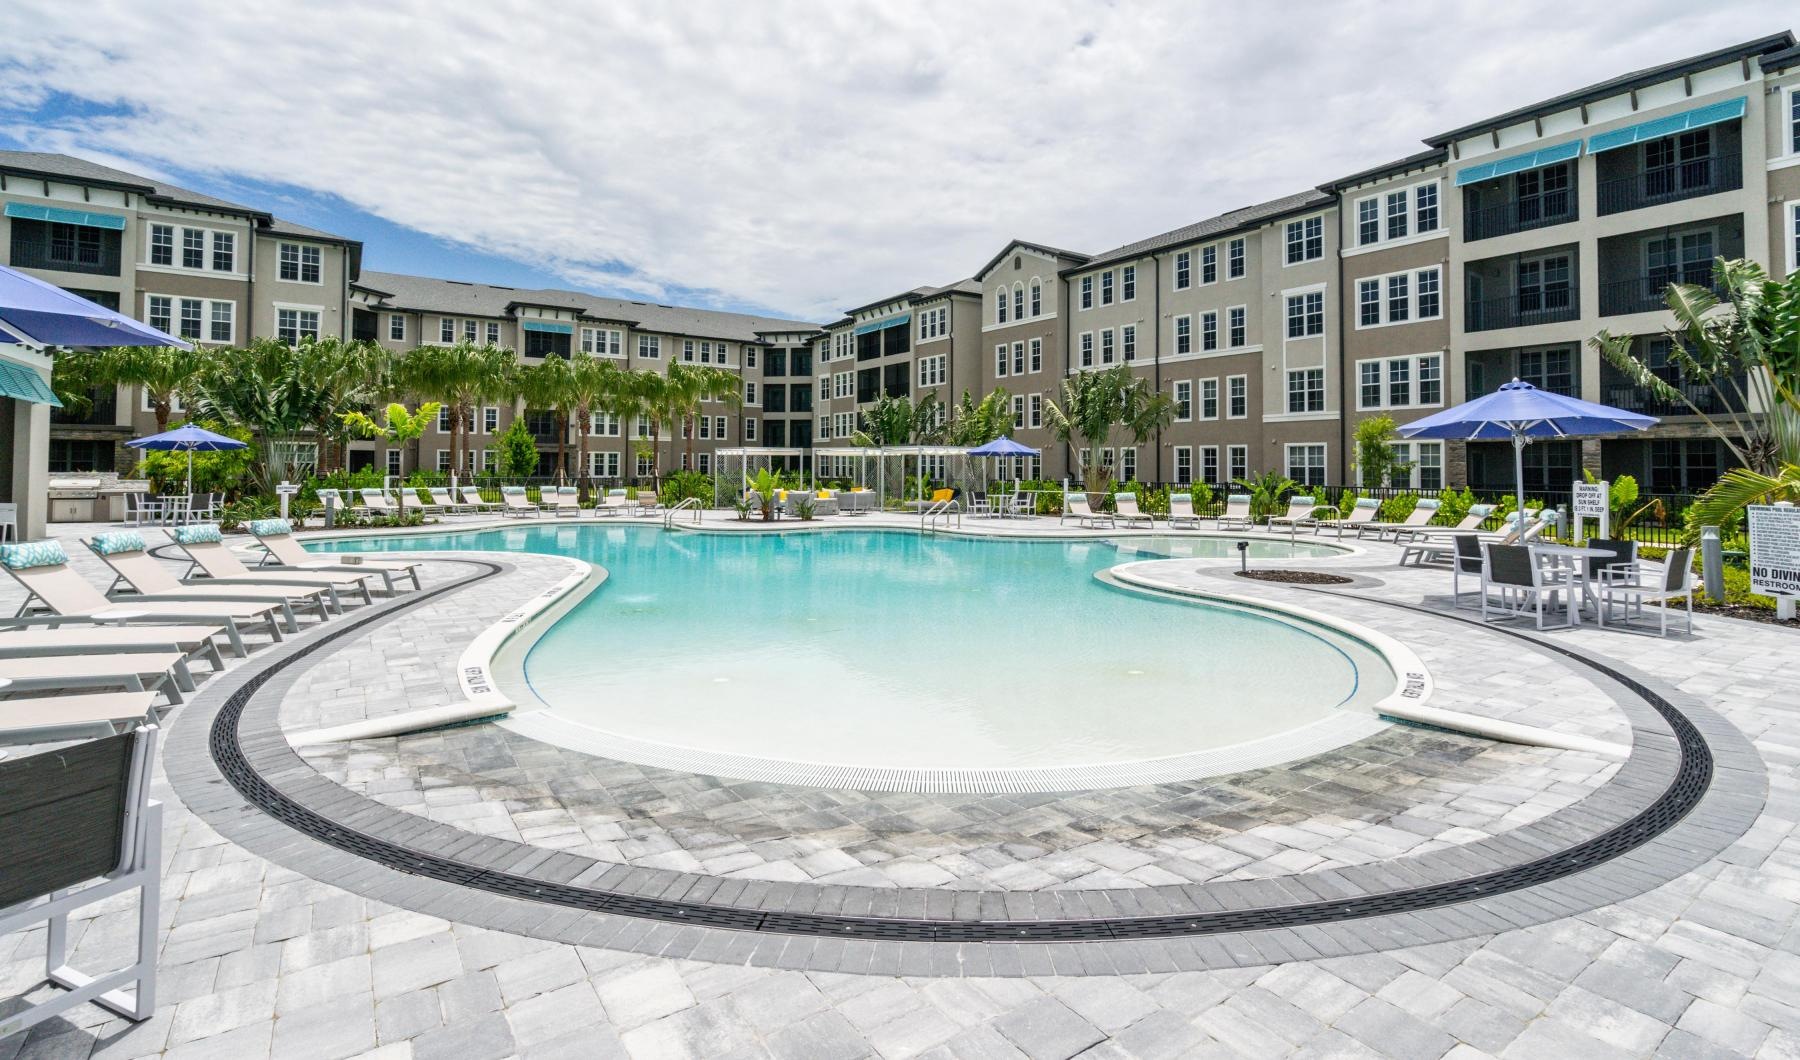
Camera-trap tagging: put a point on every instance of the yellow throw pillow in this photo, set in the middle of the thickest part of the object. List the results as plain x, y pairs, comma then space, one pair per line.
824, 495
942, 495
859, 489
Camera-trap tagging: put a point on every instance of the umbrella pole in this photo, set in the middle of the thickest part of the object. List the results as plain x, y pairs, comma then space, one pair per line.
190, 484
1519, 441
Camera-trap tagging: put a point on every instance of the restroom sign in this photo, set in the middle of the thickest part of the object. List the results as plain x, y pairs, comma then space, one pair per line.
1775, 550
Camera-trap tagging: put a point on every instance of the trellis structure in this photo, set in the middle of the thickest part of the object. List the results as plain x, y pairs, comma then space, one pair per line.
746, 461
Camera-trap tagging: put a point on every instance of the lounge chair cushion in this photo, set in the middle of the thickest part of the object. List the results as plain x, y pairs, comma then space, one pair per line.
269, 527
565, 491
28, 554
197, 534
513, 491
111, 544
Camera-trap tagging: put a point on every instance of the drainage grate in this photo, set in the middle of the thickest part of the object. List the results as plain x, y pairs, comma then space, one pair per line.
1692, 779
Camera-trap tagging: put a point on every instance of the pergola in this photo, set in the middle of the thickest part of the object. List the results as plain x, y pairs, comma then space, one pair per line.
747, 460
900, 467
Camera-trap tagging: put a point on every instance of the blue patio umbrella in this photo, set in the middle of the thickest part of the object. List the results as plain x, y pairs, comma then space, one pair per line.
36, 313
1003, 446
1522, 412
190, 438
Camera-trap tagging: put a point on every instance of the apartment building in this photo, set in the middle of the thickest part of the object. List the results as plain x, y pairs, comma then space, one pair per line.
1026, 344
772, 358
193, 265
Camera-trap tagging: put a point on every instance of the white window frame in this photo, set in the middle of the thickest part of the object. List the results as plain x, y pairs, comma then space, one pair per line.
396, 322
1230, 379
1413, 453
1209, 263
1203, 415
1085, 344
1184, 264
1211, 451
1416, 363
1288, 240
1302, 295
749, 428
1244, 310
931, 370
1237, 462
1128, 283
1306, 392
1383, 214
1382, 280
1036, 410
1184, 400
1085, 300
317, 310
1792, 235
1127, 343
1237, 257
1002, 360
649, 347
300, 256
1184, 465
1323, 465
1183, 331
1109, 347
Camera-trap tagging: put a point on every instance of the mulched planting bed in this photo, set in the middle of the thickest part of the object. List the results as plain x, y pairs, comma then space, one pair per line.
1295, 577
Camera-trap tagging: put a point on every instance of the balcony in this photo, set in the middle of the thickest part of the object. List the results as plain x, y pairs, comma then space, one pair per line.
1555, 368
1637, 268
1521, 290
1690, 179
1648, 294
64, 247
1537, 198
1618, 391
1522, 309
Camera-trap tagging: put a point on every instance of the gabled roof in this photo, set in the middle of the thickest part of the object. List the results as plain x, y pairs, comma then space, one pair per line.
1773, 44
1422, 160
1238, 220
970, 286
461, 298
1074, 257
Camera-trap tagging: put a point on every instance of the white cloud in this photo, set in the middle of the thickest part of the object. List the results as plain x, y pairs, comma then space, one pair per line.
805, 156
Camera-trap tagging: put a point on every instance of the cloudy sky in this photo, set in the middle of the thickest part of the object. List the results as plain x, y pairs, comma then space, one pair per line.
795, 158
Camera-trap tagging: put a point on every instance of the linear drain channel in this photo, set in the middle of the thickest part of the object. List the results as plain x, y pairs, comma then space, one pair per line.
1693, 777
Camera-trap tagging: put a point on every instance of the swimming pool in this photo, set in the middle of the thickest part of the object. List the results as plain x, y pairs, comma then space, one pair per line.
799, 655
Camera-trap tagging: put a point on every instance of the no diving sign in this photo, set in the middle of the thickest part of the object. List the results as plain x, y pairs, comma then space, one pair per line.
1775, 550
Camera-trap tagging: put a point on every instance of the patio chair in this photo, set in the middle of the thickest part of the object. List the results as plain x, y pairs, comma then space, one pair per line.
1300, 512
1236, 515
1415, 522
376, 502
34, 719
1020, 504
1361, 514
646, 502
1468, 560
1129, 513
194, 642
42, 568
280, 547
825, 503
410, 502
81, 827
1535, 528
1674, 582
207, 553
563, 500
133, 566
514, 502
206, 507
1521, 583
1075, 506
162, 672
471, 496
445, 501
1622, 566
142, 509
1181, 512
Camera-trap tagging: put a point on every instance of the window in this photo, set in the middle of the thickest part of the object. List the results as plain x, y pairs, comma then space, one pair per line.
1209, 264
1106, 287
1087, 292
1237, 396
292, 326
1018, 411
1425, 208
1423, 463
1107, 353
1238, 456
1430, 300
447, 330
1037, 298
1543, 284
1018, 302
162, 244
1209, 464
750, 392
1551, 368
842, 383
1306, 314
224, 251
472, 330
650, 347
397, 327
1235, 317
1209, 331
687, 349
1541, 193
161, 310
76, 247
1018, 361
1794, 121
749, 428
1127, 283
1305, 240
1000, 359
603, 465
1399, 298
931, 370
1306, 390
1368, 303
490, 421
1087, 349
1128, 463
393, 461
1184, 263
1400, 382
223, 317
1184, 400
1234, 259
299, 264
1209, 399
1037, 355
1000, 304
1793, 241
192, 310
193, 248
1184, 338
749, 352
933, 323
1368, 385
1128, 342
1431, 380
1397, 214
1306, 464
1037, 410
493, 333
1368, 222
1184, 465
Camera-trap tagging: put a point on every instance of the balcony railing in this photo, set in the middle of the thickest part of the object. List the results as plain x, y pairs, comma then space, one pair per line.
1519, 215
1522, 310
1646, 294
1631, 398
1688, 179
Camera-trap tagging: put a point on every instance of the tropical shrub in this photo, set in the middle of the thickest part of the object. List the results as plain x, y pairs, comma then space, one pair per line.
1454, 505
1396, 508
1268, 493
518, 451
244, 509
226, 471
680, 485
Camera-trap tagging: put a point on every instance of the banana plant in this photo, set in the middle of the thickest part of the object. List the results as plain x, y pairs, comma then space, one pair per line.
398, 426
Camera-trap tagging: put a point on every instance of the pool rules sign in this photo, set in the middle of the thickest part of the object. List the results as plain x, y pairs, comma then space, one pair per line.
1775, 552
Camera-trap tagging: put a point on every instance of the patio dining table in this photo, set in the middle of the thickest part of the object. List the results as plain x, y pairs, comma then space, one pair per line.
1576, 556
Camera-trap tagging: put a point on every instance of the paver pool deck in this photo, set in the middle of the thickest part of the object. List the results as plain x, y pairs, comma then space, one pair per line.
278, 943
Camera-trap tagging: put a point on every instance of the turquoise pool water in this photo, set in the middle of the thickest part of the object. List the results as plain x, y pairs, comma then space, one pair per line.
892, 650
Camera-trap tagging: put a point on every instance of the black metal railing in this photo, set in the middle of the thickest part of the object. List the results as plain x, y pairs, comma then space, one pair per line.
1691, 178
1647, 293
1631, 398
1544, 306
1520, 215
65, 248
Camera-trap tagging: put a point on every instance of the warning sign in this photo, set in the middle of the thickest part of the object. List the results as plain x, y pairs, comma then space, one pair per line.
1775, 550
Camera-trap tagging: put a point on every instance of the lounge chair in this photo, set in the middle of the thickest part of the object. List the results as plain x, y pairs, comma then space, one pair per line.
646, 502
444, 501
565, 501
1364, 512
513, 501
410, 502
206, 550
1301, 511
35, 717
158, 671
1674, 582
471, 497
1127, 506
1436, 544
1236, 515
1181, 512
42, 567
124, 551
1076, 507
614, 503
376, 502
1414, 523
1514, 574
194, 642
937, 497
279, 547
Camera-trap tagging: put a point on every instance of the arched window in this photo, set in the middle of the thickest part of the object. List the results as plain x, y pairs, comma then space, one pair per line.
1000, 306
1018, 301
1037, 297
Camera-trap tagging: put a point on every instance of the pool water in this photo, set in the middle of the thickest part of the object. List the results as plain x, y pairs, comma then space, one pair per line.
893, 650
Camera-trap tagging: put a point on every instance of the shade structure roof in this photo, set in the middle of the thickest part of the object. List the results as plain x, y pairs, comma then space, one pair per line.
189, 437
43, 314
1518, 408
1003, 446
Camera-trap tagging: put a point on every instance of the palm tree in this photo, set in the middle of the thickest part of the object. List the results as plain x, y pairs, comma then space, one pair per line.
550, 387
166, 373
595, 387
461, 376
351, 377
896, 420
976, 423
652, 396
273, 389
692, 384
1094, 405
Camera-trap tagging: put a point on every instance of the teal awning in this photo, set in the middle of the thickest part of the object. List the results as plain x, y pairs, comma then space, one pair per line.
883, 325
1699, 117
1543, 156
18, 381
85, 218
544, 325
